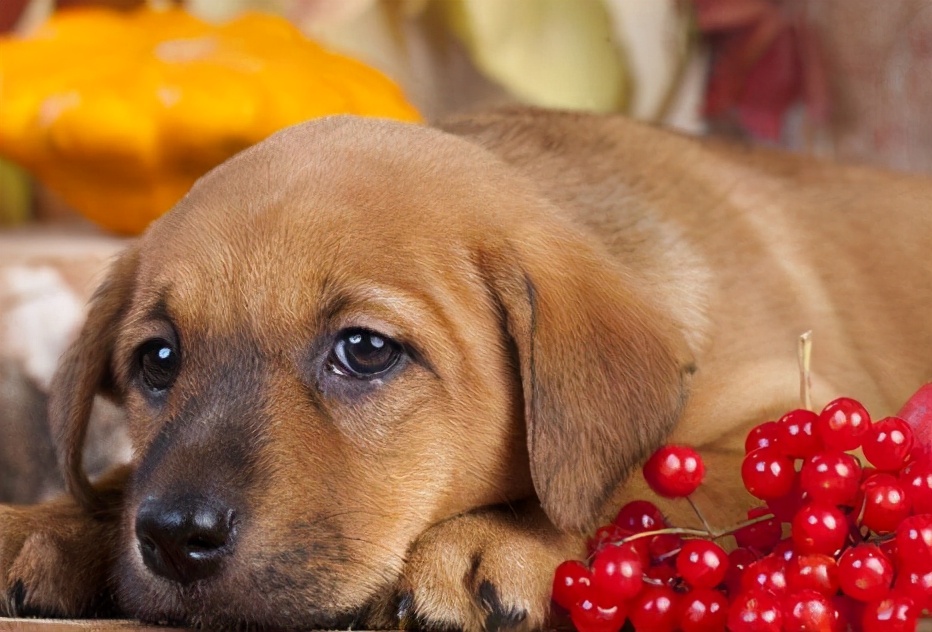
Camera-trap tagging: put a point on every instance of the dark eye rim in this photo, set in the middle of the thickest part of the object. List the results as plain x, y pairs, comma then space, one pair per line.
336, 365
166, 380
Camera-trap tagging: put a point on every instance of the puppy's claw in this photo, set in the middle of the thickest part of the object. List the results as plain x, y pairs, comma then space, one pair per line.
16, 598
54, 561
499, 616
405, 609
463, 573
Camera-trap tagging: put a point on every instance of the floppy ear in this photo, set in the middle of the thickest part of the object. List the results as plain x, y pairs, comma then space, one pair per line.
85, 371
604, 374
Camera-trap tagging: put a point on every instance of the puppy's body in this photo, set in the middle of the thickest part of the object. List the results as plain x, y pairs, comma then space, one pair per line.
560, 294
751, 248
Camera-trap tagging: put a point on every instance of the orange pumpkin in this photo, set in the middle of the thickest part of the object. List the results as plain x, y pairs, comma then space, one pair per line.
119, 113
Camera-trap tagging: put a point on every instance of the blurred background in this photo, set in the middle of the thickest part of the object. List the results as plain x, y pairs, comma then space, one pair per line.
845, 79
110, 109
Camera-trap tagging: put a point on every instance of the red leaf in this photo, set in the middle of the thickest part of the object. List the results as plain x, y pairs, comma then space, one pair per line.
735, 54
815, 81
765, 60
773, 84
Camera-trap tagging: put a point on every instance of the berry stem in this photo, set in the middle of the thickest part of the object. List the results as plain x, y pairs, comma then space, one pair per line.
804, 356
713, 534
705, 523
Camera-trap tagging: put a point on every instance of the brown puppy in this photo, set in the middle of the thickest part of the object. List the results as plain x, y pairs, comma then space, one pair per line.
375, 370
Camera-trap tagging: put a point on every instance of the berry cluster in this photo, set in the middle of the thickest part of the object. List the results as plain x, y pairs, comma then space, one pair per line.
838, 544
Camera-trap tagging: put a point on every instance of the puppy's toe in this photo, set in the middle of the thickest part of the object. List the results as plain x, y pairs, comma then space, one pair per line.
53, 563
498, 614
42, 584
12, 591
485, 571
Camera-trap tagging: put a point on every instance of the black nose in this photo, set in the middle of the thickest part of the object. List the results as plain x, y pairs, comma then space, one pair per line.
184, 539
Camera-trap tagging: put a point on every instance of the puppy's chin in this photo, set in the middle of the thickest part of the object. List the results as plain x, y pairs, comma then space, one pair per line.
277, 590
218, 604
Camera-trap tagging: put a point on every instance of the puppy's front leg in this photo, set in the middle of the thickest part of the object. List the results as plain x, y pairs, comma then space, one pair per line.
56, 558
490, 569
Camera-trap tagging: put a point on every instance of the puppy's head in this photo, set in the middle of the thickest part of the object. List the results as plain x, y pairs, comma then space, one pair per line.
341, 336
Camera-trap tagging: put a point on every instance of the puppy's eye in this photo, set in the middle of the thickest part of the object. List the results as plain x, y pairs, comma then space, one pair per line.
158, 364
363, 354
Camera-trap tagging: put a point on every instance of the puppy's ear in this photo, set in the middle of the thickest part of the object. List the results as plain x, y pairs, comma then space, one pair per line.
603, 373
85, 371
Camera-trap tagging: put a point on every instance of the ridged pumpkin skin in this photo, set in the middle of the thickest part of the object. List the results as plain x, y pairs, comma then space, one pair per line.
119, 113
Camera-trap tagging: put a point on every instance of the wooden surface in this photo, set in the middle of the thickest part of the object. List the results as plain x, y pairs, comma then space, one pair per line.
61, 625
50, 625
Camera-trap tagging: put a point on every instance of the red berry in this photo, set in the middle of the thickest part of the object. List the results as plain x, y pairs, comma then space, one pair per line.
914, 543
849, 612
664, 548
876, 478
889, 548
616, 575
831, 478
654, 609
661, 575
674, 471
638, 516
702, 610
767, 574
843, 424
762, 535
894, 613
915, 585
813, 571
888, 443
865, 572
755, 611
867, 471
762, 436
796, 435
588, 616
785, 507
571, 583
603, 536
702, 564
916, 478
808, 610
640, 548
819, 528
738, 560
784, 550
885, 506
767, 473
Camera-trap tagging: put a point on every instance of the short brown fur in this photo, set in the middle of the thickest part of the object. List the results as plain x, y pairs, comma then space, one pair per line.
569, 291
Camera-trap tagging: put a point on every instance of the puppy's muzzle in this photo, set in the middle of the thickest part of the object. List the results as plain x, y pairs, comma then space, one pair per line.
184, 539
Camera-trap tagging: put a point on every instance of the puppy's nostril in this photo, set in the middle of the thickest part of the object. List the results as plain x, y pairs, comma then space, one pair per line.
211, 530
200, 544
147, 544
183, 539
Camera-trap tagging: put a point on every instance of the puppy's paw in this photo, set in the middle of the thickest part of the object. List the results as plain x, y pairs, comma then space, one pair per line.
55, 561
490, 570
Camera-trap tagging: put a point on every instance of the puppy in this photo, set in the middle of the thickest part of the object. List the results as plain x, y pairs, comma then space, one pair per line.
378, 373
